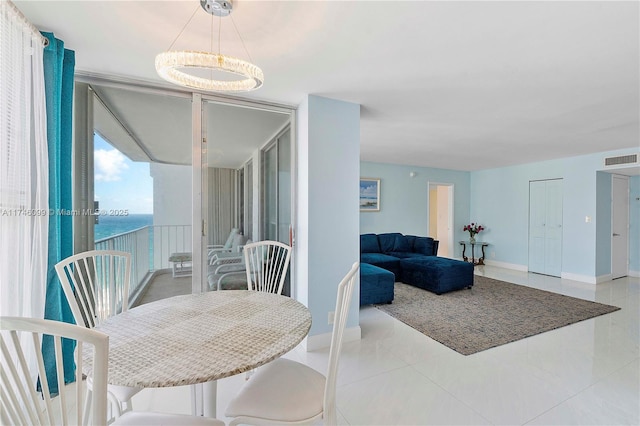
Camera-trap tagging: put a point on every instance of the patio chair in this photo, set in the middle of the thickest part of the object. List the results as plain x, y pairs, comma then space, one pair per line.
228, 276
23, 403
287, 392
226, 247
267, 264
232, 256
96, 285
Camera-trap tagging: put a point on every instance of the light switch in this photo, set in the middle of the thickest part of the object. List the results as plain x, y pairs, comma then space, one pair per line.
587, 219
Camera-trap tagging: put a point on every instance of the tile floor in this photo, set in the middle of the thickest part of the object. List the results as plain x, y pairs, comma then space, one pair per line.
583, 374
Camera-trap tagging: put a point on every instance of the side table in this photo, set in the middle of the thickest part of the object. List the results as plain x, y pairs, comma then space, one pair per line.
181, 264
479, 260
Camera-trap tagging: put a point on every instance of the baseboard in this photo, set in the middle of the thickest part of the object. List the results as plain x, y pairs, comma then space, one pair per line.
603, 278
513, 266
319, 341
634, 274
582, 278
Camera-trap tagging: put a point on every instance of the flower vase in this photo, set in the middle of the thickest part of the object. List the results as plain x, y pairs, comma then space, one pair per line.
472, 239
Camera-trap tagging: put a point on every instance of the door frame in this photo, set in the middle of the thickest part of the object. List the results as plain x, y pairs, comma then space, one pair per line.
450, 207
625, 226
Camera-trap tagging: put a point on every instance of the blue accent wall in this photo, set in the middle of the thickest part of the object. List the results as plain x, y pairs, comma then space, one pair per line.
404, 199
634, 225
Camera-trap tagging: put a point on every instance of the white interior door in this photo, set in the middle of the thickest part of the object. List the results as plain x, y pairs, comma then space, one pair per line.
545, 227
537, 223
619, 226
553, 231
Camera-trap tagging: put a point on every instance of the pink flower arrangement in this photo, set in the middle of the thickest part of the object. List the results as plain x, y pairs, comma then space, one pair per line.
473, 229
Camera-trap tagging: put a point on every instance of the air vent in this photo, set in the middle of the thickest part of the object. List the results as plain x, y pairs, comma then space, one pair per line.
621, 160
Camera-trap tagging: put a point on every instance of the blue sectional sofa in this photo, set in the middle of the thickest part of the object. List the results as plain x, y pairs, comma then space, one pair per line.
412, 260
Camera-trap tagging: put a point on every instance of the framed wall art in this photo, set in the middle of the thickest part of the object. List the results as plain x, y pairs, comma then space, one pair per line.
369, 195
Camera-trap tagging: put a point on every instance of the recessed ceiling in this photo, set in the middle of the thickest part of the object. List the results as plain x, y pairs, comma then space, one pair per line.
455, 85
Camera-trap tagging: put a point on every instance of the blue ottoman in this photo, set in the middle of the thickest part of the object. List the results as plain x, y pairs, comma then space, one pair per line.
376, 285
437, 274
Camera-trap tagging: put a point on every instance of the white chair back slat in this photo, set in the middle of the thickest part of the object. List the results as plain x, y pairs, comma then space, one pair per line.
343, 302
96, 284
21, 401
267, 263
86, 275
22, 408
62, 396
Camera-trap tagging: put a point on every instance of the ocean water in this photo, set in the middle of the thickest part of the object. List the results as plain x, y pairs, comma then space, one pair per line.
114, 225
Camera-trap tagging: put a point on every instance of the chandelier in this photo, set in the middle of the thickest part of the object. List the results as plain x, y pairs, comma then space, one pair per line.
173, 65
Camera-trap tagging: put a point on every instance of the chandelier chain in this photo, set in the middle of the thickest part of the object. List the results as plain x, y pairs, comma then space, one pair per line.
241, 39
183, 28
219, 32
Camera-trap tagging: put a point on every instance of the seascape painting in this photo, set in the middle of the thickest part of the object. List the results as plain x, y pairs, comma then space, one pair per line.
369, 195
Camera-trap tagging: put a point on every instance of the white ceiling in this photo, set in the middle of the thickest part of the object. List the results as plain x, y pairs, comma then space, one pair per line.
454, 85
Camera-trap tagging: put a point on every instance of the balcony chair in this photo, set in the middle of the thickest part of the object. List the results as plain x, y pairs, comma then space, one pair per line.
96, 284
287, 392
267, 263
234, 255
226, 247
22, 402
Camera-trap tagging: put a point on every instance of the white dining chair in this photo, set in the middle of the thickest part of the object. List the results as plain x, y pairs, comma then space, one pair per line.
22, 402
267, 263
96, 285
287, 392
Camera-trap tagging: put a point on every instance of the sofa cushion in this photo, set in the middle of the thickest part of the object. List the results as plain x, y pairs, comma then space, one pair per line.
369, 243
424, 245
405, 254
390, 263
410, 240
388, 242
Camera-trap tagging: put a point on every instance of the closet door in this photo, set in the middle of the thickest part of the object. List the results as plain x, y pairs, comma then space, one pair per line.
545, 227
537, 222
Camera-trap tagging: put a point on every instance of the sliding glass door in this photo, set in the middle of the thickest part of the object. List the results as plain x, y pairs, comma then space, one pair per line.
277, 188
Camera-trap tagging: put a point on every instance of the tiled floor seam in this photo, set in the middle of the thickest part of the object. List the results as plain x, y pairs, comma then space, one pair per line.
451, 395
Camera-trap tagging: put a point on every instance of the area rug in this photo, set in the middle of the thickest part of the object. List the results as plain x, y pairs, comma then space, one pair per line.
490, 314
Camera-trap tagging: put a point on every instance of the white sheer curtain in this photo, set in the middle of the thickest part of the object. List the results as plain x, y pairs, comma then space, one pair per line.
24, 182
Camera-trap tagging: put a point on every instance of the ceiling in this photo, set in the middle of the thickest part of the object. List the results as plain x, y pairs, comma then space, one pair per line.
454, 85
158, 127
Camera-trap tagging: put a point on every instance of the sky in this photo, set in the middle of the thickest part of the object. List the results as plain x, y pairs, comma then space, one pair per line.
121, 184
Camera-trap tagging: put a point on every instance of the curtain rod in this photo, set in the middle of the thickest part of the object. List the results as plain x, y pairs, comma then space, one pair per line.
25, 22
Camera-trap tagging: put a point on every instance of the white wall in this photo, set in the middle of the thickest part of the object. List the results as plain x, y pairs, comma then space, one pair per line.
171, 194
327, 234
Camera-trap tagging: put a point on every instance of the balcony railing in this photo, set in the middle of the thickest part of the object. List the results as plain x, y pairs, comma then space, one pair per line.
150, 248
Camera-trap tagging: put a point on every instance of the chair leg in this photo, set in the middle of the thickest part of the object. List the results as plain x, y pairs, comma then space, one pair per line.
116, 409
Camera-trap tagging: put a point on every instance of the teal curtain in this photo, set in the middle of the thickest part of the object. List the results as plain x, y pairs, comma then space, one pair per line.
59, 64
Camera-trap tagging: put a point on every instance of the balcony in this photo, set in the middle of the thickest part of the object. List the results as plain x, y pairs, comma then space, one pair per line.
150, 248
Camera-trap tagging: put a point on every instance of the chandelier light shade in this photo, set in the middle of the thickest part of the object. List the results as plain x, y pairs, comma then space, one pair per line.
169, 66
174, 65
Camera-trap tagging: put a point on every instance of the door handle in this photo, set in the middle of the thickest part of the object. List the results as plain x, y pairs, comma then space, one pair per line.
616, 235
